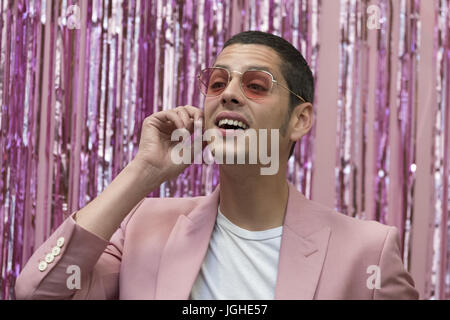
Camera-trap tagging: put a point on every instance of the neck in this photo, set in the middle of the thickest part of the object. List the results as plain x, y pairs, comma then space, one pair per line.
250, 200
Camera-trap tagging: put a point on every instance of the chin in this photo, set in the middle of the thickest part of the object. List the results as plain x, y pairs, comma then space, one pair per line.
231, 154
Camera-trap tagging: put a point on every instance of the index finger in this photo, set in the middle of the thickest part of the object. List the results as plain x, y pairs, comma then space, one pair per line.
194, 112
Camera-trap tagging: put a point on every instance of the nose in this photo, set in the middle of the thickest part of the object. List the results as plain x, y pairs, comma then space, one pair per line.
232, 95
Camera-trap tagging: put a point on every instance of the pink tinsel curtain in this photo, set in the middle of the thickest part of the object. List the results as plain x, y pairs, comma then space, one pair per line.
78, 77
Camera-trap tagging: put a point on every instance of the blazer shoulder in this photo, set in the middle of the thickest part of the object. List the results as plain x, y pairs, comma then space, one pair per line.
351, 228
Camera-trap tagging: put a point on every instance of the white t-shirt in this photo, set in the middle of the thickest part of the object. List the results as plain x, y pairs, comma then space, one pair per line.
239, 264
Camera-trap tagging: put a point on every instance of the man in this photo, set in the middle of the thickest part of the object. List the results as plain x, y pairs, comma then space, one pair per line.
254, 237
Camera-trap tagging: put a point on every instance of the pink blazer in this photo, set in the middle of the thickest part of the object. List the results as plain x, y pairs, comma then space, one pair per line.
158, 250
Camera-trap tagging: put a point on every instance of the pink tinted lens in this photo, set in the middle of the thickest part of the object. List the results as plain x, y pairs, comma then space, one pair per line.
213, 81
256, 84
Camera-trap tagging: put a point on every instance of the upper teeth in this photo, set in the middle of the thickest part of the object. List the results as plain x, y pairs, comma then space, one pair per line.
233, 123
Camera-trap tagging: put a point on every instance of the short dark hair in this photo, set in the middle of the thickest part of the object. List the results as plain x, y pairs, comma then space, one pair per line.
294, 67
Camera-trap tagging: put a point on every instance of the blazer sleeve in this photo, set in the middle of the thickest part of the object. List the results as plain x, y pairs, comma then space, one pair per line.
84, 267
396, 283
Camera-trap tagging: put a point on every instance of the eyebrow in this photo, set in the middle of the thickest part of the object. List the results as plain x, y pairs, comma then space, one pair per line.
261, 68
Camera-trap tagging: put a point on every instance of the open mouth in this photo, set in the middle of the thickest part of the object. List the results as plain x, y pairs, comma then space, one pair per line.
231, 124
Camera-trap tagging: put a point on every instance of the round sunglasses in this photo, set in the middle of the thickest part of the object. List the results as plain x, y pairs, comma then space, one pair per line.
255, 84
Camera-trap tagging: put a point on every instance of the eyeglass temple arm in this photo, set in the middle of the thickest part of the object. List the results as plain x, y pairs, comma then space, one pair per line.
304, 101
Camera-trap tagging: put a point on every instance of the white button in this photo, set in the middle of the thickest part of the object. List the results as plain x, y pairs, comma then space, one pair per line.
56, 251
60, 242
49, 258
42, 266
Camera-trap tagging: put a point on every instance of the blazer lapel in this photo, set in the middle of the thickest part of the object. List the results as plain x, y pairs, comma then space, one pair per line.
185, 250
303, 249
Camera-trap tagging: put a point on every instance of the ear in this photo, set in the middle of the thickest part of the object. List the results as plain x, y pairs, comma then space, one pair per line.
301, 121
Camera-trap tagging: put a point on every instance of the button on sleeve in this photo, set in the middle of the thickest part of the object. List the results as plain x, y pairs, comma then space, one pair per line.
55, 251
60, 242
42, 266
49, 258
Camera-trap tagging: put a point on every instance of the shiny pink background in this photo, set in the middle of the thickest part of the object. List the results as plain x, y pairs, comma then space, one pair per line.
76, 86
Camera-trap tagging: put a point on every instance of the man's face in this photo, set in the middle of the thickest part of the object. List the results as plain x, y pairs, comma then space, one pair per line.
268, 113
